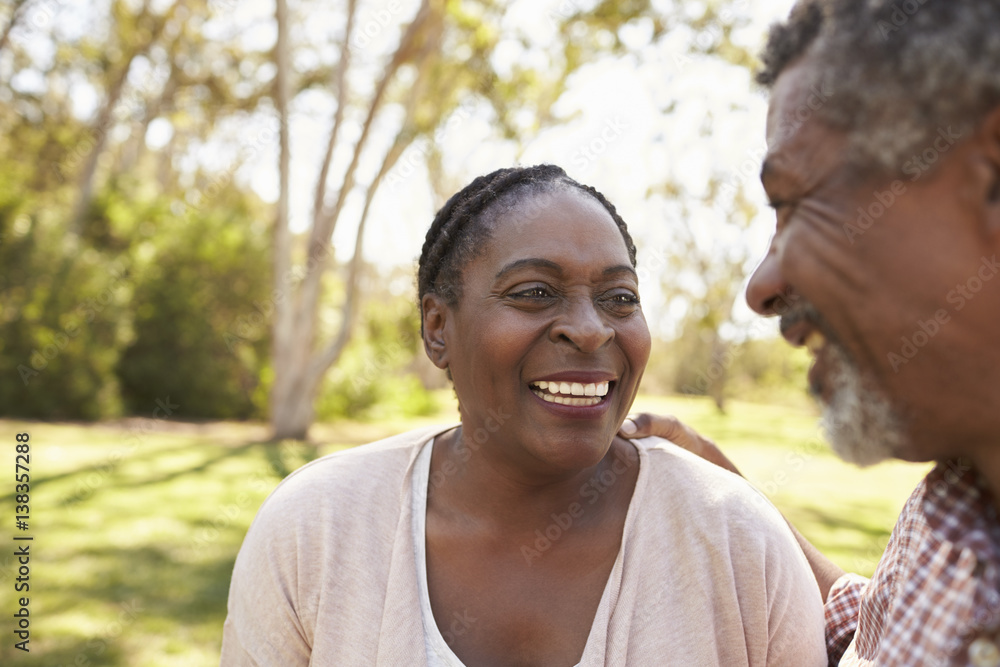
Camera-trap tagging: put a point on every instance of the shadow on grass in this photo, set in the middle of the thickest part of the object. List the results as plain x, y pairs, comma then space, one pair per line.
110, 465
65, 651
281, 460
174, 582
287, 456
155, 583
838, 521
149, 591
87, 490
227, 453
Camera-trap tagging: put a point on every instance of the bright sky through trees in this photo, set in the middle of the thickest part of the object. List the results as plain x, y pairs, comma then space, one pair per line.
632, 125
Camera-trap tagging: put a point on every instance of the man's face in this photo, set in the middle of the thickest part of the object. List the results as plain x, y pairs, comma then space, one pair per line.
875, 274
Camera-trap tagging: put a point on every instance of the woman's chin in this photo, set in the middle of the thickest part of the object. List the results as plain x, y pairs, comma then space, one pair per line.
575, 451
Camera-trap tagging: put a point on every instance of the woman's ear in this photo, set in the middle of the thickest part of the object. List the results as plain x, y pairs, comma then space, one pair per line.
435, 318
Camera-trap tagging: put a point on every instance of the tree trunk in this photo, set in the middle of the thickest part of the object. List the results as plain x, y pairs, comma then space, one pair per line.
299, 364
717, 382
288, 419
292, 413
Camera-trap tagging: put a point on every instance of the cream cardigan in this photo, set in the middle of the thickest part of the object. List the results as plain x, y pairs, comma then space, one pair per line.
708, 572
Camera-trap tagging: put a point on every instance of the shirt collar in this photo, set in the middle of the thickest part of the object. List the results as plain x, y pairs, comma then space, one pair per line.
959, 508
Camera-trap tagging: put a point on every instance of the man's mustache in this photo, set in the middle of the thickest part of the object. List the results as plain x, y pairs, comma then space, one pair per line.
803, 311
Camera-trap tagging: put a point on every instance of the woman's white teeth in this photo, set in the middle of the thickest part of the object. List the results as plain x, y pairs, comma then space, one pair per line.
815, 341
567, 400
563, 390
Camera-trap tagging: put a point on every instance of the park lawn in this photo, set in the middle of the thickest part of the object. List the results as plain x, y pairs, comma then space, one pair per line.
135, 531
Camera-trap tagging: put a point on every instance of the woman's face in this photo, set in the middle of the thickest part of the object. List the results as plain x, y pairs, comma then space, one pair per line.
547, 343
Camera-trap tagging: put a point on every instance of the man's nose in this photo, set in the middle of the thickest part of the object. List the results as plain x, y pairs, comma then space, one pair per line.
767, 291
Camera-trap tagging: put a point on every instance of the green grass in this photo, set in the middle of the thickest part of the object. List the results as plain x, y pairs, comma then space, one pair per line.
135, 533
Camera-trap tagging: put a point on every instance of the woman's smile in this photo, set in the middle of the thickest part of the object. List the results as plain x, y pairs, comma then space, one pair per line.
575, 390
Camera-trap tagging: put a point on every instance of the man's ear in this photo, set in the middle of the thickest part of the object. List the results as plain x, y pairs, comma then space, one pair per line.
991, 151
435, 319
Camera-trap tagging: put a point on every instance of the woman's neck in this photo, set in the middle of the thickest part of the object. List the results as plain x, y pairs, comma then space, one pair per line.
515, 494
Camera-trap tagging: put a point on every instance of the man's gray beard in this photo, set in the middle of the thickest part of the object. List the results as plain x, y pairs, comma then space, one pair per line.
859, 420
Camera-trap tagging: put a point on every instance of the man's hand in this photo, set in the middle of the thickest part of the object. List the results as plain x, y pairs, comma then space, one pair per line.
677, 432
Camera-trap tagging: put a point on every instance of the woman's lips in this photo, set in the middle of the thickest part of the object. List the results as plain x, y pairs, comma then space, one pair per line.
578, 394
573, 398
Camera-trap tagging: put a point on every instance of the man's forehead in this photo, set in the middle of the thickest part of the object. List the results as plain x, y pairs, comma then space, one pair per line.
790, 106
800, 147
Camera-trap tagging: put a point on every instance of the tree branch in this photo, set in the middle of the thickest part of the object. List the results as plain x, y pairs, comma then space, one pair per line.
105, 119
338, 117
15, 14
323, 227
282, 234
404, 138
329, 356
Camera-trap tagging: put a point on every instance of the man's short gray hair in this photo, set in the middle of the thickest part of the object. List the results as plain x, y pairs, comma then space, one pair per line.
895, 73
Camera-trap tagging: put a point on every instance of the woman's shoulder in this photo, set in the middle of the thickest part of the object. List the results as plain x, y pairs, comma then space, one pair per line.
357, 474
671, 460
682, 481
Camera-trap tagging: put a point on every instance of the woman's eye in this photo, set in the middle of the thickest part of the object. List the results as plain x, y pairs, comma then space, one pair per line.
622, 300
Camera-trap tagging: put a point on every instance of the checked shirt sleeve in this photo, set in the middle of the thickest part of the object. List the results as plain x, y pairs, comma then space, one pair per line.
842, 607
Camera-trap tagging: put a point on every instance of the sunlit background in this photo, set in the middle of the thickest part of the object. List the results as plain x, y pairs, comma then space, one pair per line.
167, 308
140, 135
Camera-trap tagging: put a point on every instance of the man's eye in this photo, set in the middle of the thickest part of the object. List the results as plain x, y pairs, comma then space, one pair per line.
783, 206
783, 210
533, 293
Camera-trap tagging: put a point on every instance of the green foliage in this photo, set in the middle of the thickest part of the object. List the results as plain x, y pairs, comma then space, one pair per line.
767, 370
676, 365
134, 309
404, 396
202, 304
759, 369
63, 317
373, 378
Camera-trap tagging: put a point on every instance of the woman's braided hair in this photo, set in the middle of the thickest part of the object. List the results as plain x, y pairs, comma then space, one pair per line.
464, 224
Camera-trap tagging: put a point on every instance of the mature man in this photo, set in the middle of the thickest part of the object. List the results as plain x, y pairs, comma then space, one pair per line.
883, 167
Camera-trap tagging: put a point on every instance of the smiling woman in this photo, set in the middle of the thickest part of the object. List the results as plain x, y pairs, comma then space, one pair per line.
528, 534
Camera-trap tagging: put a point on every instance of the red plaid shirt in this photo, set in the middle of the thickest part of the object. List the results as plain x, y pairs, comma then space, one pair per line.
934, 599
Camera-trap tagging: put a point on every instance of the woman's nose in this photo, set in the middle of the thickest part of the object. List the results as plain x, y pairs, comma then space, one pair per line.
583, 326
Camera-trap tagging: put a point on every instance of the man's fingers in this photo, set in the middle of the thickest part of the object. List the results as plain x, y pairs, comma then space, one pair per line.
663, 426
669, 427
638, 426
644, 424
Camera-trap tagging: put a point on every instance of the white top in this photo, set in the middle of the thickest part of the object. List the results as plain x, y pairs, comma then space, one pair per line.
439, 654
708, 572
